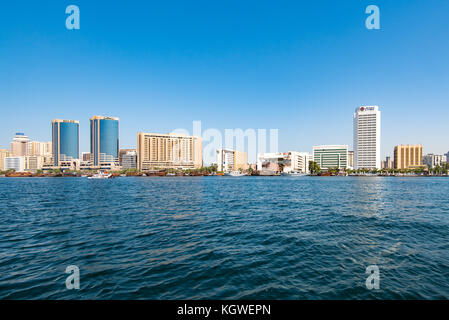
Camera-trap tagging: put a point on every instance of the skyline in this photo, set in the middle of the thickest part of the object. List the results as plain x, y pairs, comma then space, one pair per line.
293, 67
212, 142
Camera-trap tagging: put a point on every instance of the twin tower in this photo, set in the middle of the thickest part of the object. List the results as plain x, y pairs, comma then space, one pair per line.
104, 141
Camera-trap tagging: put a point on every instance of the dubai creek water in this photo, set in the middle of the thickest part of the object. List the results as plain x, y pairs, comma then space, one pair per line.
224, 237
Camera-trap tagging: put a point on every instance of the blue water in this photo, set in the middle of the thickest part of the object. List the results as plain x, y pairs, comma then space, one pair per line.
224, 237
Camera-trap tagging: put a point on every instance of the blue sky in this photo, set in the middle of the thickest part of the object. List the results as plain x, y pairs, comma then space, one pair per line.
299, 66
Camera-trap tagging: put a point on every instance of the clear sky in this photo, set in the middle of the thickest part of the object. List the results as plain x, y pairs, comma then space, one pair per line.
299, 66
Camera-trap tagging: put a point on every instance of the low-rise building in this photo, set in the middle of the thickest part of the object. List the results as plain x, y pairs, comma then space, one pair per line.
231, 160
122, 152
271, 162
15, 163
291, 161
299, 162
433, 160
129, 160
34, 163
331, 156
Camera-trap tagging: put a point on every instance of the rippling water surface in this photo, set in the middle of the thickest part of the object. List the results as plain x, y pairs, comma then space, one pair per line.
224, 237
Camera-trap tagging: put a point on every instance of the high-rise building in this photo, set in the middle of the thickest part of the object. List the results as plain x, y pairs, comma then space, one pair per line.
168, 151
231, 160
331, 156
104, 141
408, 156
38, 148
65, 141
3, 154
433, 160
19, 145
367, 137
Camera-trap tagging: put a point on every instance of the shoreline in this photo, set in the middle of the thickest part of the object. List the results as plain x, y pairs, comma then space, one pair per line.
267, 176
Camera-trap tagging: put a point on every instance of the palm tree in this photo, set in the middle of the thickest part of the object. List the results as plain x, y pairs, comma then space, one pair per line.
314, 167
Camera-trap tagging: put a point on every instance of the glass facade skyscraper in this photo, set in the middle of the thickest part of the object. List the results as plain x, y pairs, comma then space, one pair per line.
65, 140
104, 140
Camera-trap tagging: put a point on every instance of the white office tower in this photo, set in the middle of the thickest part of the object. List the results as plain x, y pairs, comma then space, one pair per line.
367, 137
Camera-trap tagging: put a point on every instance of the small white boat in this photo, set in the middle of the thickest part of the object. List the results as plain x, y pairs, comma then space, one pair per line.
235, 174
101, 175
293, 174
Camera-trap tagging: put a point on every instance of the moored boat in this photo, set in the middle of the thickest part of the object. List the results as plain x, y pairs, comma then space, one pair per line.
235, 174
293, 174
101, 175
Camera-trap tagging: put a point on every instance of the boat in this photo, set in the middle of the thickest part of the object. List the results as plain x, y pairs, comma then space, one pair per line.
293, 174
101, 175
271, 173
235, 174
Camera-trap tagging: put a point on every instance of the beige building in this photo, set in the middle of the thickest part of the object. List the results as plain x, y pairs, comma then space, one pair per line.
3, 154
408, 156
37, 148
299, 162
19, 145
240, 160
231, 160
351, 159
34, 163
170, 150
